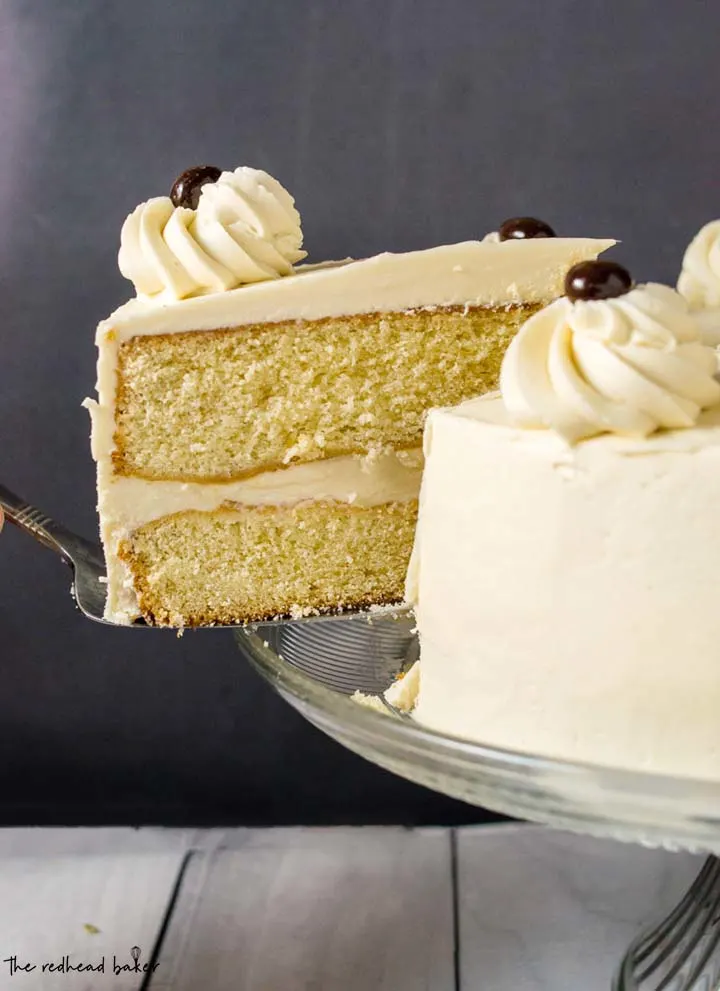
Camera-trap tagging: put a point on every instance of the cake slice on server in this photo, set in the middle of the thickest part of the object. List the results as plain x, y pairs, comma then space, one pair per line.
258, 425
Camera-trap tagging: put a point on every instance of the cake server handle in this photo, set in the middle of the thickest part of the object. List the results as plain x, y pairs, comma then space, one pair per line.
44, 529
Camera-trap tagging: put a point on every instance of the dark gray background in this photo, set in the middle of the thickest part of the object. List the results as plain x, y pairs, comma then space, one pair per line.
397, 124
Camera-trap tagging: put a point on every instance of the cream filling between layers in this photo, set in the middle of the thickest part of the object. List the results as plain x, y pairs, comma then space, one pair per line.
356, 480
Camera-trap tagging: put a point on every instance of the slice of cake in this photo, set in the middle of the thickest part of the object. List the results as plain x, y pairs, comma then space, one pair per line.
258, 426
565, 572
699, 280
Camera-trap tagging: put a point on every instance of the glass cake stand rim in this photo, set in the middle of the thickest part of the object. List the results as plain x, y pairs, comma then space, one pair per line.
638, 806
289, 679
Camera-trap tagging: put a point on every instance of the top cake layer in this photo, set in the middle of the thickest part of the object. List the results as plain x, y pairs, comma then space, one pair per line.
230, 361
332, 360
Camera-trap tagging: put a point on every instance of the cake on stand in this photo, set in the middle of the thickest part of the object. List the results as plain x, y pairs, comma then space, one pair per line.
317, 664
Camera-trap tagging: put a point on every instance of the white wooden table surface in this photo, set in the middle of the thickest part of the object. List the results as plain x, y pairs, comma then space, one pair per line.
503, 908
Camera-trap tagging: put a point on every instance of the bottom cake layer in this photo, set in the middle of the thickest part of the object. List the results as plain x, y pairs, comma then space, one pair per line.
248, 563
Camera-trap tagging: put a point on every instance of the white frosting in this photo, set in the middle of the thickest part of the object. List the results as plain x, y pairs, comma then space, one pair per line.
245, 229
472, 273
709, 323
629, 365
699, 280
566, 596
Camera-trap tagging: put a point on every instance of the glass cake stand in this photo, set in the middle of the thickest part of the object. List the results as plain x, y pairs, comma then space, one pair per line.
316, 664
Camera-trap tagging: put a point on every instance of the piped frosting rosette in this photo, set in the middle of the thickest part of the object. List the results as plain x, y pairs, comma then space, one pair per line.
628, 365
245, 229
699, 280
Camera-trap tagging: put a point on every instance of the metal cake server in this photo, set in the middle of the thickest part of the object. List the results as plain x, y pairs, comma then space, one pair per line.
84, 557
346, 652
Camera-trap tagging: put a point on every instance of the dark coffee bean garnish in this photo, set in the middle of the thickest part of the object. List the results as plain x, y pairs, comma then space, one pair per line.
597, 280
521, 228
186, 188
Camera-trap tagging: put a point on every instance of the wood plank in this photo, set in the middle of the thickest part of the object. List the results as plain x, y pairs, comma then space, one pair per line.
88, 907
541, 909
47, 842
322, 909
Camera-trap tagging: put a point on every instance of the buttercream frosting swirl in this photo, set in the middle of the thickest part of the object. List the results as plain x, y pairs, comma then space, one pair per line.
628, 365
245, 229
699, 280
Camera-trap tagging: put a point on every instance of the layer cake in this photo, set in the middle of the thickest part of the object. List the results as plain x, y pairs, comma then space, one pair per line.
258, 424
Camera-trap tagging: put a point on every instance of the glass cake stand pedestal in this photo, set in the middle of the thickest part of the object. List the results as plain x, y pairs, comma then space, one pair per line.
316, 664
